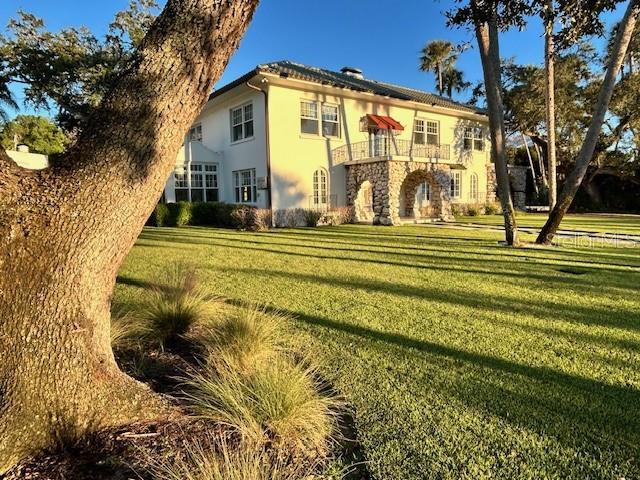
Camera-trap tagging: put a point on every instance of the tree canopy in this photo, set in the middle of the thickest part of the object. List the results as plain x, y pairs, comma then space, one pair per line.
40, 134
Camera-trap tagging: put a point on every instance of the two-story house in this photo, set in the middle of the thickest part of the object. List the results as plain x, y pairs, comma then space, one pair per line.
287, 135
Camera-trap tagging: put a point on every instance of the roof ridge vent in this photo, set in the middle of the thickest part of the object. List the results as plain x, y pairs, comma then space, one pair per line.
352, 72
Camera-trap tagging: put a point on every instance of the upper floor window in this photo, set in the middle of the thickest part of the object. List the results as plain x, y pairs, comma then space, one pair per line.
330, 121
456, 180
426, 132
474, 138
244, 183
242, 122
195, 133
309, 117
320, 188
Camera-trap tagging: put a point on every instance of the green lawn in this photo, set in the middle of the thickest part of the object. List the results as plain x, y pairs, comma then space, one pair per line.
461, 358
598, 223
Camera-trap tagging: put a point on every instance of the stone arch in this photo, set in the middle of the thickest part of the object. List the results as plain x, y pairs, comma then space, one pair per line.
409, 191
363, 203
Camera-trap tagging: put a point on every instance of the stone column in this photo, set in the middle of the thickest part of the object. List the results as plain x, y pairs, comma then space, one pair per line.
442, 195
492, 183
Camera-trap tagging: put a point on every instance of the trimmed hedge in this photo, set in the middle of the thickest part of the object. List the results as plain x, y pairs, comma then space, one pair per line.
211, 214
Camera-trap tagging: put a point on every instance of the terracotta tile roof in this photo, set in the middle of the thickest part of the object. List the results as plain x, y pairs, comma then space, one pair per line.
321, 76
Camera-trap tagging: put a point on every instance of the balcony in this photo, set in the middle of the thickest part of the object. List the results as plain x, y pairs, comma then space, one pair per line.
386, 148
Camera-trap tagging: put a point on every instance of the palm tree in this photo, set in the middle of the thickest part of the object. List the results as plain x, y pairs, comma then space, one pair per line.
437, 56
6, 99
453, 80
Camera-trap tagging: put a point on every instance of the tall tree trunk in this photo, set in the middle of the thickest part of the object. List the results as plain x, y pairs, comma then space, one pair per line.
440, 85
549, 61
487, 36
533, 170
574, 179
65, 231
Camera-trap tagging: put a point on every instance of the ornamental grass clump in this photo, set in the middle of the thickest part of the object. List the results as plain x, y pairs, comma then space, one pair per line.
226, 462
243, 339
278, 405
176, 304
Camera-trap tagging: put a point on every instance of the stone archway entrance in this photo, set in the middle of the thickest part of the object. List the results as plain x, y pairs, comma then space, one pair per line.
420, 196
364, 202
392, 183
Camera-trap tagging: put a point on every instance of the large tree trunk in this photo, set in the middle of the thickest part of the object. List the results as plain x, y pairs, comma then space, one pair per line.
574, 179
65, 231
549, 54
487, 36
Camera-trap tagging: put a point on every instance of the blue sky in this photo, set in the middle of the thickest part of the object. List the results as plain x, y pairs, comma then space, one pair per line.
381, 37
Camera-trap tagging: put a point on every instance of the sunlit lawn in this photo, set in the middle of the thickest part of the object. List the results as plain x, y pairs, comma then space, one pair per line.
461, 358
600, 223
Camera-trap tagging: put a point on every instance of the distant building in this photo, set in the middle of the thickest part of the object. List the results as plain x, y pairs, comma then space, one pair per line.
287, 135
24, 158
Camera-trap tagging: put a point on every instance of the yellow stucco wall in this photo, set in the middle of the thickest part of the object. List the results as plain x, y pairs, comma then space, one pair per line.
295, 156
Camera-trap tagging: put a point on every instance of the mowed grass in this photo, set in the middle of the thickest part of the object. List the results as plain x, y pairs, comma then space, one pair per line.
461, 358
592, 222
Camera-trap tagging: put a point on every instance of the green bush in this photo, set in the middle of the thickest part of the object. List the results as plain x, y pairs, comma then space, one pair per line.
312, 217
492, 209
474, 210
179, 214
456, 210
159, 216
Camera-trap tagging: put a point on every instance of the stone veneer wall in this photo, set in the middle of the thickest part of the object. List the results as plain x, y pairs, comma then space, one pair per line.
387, 179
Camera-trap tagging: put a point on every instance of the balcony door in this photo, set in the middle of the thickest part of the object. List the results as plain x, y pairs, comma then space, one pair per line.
379, 142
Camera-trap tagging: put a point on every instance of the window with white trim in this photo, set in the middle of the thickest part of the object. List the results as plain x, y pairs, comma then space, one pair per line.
241, 122
197, 183
181, 186
474, 138
424, 192
320, 188
309, 117
330, 121
456, 179
244, 183
195, 133
211, 183
426, 132
473, 187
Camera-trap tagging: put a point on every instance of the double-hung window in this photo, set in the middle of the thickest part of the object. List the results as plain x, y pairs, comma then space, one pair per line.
242, 122
424, 192
474, 138
330, 121
211, 183
426, 132
309, 117
244, 182
456, 179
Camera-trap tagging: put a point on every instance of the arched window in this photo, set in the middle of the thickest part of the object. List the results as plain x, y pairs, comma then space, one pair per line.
473, 187
320, 188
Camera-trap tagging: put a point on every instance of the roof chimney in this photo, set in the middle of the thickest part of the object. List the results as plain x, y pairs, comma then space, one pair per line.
352, 72
23, 148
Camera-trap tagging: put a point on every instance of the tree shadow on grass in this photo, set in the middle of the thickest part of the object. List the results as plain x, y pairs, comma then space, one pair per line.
429, 259
592, 417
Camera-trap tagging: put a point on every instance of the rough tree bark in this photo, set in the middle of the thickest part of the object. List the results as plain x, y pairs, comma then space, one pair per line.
487, 36
549, 63
65, 231
574, 179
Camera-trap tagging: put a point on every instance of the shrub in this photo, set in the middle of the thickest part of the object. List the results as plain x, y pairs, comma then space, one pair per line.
262, 219
474, 210
277, 404
170, 309
179, 214
311, 217
126, 330
456, 209
227, 462
492, 208
159, 216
